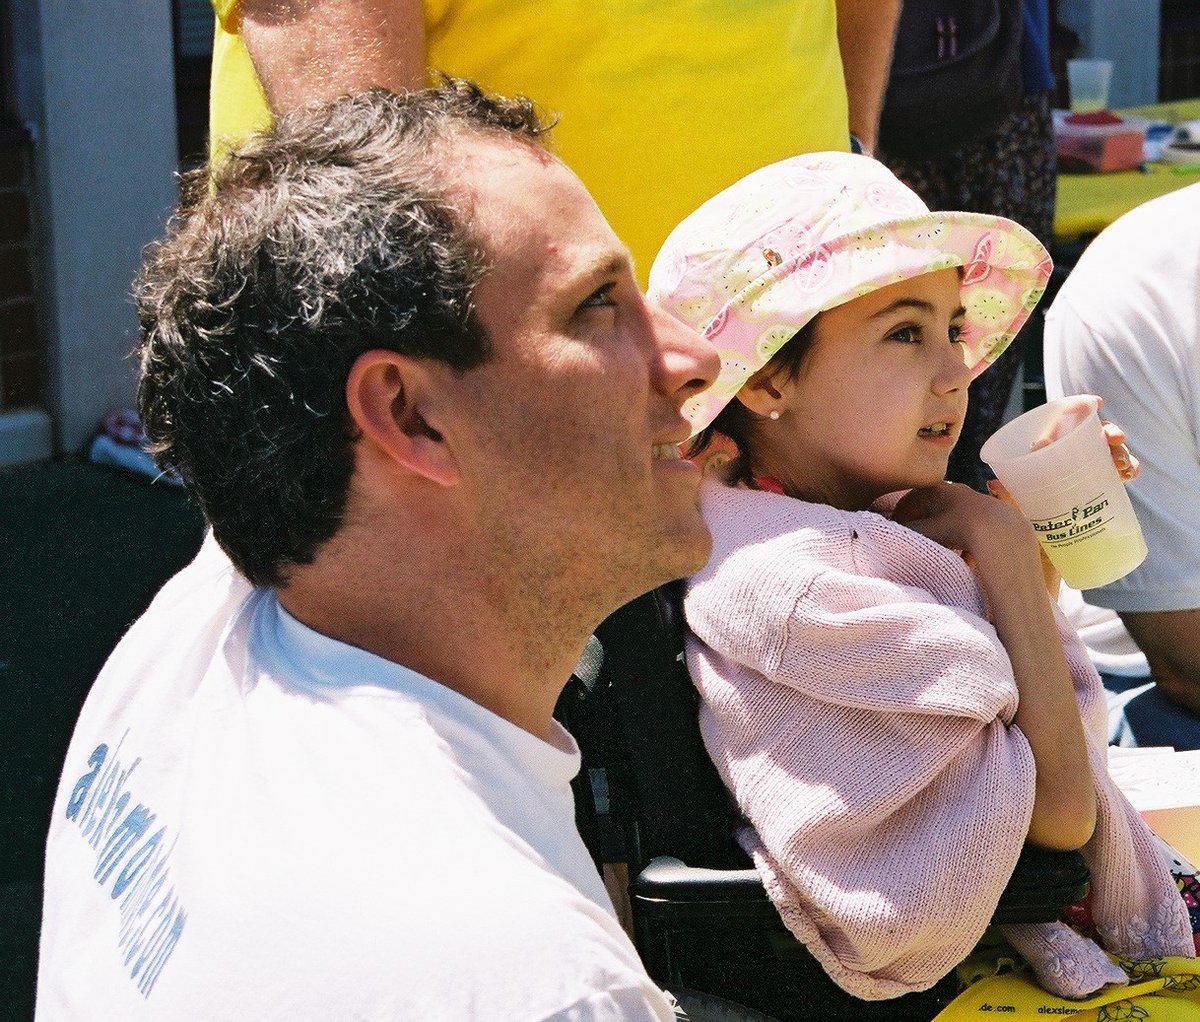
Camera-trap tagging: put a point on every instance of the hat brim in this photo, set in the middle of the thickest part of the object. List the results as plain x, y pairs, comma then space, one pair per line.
1005, 270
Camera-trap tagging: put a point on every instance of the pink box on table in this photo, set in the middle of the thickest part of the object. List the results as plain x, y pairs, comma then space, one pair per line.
1099, 141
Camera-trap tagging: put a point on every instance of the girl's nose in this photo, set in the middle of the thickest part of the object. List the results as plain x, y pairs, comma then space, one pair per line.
953, 374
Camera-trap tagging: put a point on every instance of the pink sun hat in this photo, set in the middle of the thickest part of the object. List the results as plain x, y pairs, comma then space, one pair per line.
757, 261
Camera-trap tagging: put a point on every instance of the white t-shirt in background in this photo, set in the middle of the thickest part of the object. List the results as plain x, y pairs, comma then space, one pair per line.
1109, 645
1126, 326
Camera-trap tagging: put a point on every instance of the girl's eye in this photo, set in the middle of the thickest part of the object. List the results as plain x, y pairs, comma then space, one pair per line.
956, 334
906, 335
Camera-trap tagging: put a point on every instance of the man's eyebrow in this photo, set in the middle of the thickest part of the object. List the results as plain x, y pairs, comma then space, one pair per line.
919, 304
609, 264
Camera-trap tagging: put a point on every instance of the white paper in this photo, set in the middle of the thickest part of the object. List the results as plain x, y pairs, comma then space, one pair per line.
1156, 778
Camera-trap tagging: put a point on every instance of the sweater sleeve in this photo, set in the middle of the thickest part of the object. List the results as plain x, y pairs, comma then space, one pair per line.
863, 727
859, 641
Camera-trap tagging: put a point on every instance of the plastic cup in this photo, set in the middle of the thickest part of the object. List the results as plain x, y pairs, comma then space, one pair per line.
1056, 463
1087, 80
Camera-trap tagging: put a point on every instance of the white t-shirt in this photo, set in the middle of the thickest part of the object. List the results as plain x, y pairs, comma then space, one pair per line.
258, 822
1126, 326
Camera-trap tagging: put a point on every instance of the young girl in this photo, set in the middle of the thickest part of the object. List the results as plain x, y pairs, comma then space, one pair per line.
888, 690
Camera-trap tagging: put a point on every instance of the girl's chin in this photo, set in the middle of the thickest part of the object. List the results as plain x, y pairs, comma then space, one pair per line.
930, 478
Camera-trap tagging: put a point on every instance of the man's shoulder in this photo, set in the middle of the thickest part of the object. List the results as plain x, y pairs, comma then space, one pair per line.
340, 866
489, 936
205, 591
170, 647
336, 914
483, 943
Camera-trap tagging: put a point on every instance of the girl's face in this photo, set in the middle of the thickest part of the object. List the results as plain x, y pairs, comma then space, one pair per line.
879, 399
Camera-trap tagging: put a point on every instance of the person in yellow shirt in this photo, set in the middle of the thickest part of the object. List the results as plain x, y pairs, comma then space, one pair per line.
661, 104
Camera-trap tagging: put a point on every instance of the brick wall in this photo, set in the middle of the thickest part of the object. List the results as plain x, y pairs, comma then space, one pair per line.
22, 357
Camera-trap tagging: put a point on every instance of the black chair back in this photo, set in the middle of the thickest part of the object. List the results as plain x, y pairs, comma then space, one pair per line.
682, 807
650, 796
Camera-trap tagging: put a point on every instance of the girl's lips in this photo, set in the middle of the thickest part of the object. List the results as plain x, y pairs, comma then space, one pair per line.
941, 433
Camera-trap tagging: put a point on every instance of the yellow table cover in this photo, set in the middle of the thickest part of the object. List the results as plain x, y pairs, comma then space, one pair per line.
1160, 990
1087, 203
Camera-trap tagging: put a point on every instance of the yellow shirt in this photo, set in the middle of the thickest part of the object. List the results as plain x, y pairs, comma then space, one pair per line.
660, 107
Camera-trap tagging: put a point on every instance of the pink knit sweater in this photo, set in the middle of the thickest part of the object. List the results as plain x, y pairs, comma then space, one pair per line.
859, 707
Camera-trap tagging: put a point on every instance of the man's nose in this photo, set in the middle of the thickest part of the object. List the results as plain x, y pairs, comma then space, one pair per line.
689, 362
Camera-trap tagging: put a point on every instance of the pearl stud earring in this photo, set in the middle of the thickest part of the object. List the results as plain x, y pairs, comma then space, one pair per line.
774, 414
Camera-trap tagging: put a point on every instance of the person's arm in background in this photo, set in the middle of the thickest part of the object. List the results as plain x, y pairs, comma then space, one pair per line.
1171, 641
866, 35
307, 50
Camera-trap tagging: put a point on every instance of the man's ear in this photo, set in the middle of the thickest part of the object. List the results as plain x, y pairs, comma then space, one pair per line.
761, 393
393, 400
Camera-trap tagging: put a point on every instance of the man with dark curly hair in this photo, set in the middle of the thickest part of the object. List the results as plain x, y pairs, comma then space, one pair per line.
400, 360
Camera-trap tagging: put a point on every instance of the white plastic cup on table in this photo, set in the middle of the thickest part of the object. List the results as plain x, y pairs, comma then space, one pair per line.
1087, 83
1056, 463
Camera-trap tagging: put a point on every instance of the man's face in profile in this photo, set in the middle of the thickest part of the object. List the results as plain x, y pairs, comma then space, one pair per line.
578, 408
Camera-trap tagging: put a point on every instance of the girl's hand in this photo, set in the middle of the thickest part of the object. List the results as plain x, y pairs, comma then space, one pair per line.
962, 519
995, 539
1050, 573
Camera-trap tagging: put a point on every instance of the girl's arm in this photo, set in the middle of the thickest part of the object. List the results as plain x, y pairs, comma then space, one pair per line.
1007, 559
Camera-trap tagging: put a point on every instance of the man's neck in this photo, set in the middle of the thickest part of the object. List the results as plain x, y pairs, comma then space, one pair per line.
512, 659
